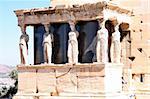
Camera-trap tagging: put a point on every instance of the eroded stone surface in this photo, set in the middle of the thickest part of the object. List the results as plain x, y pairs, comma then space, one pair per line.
81, 78
27, 81
46, 80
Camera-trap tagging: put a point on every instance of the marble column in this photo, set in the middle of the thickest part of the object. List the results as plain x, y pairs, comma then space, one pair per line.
116, 45
23, 45
102, 43
73, 52
47, 43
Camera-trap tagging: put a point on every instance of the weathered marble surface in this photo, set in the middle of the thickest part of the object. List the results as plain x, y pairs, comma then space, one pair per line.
72, 48
23, 46
47, 43
80, 78
84, 12
116, 46
102, 45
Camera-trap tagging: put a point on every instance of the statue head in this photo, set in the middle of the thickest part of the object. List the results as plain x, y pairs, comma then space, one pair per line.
114, 20
72, 35
102, 23
25, 37
72, 25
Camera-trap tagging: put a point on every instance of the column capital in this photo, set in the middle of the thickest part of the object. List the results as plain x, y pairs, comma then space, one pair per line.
46, 26
25, 36
23, 46
72, 24
101, 22
23, 28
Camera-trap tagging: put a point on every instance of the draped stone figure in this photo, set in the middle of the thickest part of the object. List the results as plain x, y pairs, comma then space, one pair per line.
73, 48
47, 43
116, 46
102, 44
23, 45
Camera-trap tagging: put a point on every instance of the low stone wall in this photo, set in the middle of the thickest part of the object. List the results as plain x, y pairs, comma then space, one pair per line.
74, 80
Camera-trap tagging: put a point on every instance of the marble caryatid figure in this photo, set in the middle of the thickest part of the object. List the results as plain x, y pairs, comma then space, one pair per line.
73, 52
102, 43
47, 43
115, 46
23, 45
73, 48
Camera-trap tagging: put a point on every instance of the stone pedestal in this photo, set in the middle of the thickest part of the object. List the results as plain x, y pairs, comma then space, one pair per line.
98, 81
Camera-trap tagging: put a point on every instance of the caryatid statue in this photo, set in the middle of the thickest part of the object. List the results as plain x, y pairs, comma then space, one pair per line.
73, 45
116, 46
102, 43
23, 45
47, 43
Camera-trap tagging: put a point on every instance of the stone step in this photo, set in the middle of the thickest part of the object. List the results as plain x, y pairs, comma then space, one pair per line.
74, 96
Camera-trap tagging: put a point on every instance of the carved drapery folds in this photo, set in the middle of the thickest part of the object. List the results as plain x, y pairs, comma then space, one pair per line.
116, 45
47, 40
102, 43
73, 44
23, 46
24, 38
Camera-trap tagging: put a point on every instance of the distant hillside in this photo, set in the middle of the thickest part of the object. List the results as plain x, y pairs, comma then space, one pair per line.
5, 68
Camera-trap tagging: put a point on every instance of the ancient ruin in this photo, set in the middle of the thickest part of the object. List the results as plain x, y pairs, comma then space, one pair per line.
88, 57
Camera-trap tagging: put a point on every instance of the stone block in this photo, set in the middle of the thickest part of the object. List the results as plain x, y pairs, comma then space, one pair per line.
138, 69
146, 78
102, 80
142, 96
83, 71
90, 78
97, 70
141, 59
146, 82
83, 84
113, 84
97, 84
66, 79
113, 69
113, 74
24, 97
27, 80
127, 76
145, 30
90, 84
145, 17
135, 19
46, 80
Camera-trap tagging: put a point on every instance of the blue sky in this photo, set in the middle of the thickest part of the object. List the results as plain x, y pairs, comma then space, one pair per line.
10, 32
